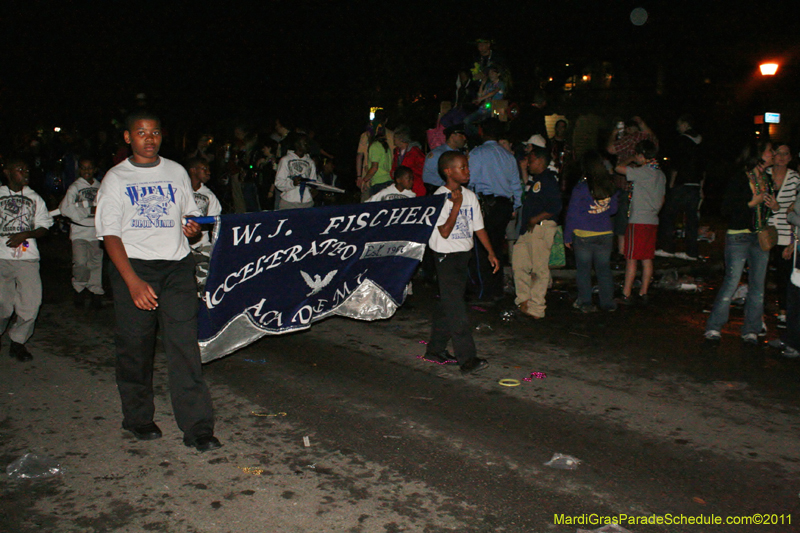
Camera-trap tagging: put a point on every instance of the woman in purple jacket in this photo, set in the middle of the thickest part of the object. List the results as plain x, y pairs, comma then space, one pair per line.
589, 228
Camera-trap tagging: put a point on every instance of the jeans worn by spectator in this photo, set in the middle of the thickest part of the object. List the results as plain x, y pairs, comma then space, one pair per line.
741, 249
589, 251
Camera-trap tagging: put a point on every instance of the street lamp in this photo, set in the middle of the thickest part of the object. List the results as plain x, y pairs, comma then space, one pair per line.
768, 69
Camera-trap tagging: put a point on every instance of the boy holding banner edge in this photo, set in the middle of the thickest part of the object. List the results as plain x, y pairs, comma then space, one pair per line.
140, 207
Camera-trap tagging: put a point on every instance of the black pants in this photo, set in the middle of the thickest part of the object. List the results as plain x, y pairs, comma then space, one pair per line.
176, 316
681, 199
450, 319
792, 334
783, 271
497, 212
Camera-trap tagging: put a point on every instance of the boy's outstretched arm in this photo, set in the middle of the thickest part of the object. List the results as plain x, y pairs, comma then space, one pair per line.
143, 295
484, 238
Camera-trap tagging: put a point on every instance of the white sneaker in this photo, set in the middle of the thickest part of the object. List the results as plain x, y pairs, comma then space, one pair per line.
777, 343
790, 352
685, 257
750, 338
712, 335
662, 253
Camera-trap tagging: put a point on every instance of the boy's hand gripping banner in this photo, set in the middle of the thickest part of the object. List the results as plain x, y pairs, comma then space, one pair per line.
279, 271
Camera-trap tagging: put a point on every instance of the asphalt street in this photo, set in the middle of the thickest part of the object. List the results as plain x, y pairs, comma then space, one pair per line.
344, 428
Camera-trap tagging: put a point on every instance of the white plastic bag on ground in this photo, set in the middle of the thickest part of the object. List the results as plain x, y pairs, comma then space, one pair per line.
33, 466
564, 462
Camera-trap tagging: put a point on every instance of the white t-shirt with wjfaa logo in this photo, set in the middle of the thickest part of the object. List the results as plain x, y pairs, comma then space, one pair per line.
145, 206
468, 222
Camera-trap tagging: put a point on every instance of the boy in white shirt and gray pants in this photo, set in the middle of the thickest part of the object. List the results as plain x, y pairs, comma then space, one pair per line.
78, 206
23, 219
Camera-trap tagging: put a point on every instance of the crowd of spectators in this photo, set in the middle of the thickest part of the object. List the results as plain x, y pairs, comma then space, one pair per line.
536, 194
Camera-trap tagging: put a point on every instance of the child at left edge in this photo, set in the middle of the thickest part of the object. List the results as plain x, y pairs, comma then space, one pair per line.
23, 219
452, 242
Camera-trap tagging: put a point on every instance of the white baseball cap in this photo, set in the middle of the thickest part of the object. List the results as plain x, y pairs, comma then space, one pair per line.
537, 140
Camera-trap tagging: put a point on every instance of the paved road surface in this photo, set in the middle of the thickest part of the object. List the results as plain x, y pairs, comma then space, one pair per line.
661, 424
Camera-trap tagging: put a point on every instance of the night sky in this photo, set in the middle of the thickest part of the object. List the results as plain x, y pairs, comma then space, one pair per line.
325, 61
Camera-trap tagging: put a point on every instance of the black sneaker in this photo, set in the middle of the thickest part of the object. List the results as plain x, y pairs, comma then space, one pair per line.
476, 364
203, 443
19, 352
149, 431
644, 299
627, 301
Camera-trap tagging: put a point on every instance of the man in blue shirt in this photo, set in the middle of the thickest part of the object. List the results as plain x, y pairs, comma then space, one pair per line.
455, 139
495, 179
531, 257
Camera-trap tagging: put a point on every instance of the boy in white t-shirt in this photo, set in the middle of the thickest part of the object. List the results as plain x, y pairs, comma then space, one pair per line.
23, 219
140, 209
79, 206
400, 190
452, 242
209, 206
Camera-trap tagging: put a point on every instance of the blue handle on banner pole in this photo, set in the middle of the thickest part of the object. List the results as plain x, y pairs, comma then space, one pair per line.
202, 220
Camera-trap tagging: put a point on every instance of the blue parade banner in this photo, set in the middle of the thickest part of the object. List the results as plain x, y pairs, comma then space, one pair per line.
275, 272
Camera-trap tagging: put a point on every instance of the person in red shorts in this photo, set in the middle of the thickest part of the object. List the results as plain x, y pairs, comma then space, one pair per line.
647, 197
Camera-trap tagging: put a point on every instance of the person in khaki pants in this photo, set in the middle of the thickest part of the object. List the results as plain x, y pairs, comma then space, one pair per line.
531, 257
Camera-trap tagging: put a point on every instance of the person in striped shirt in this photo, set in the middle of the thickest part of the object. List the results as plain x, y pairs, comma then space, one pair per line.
786, 181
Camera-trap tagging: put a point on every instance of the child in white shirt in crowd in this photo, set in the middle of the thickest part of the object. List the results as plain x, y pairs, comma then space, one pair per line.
401, 189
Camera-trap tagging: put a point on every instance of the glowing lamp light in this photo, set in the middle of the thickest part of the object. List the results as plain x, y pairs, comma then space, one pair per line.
56, 129
768, 69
